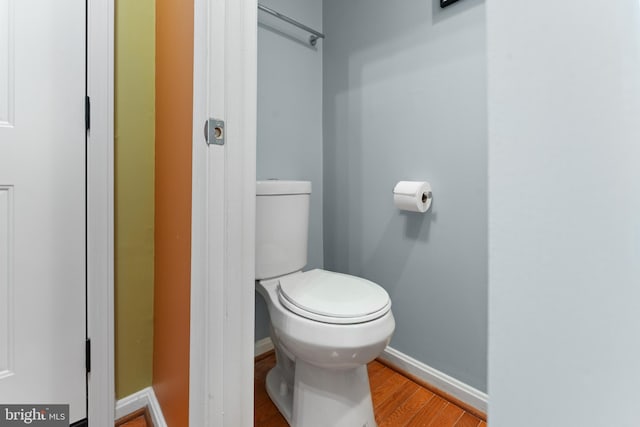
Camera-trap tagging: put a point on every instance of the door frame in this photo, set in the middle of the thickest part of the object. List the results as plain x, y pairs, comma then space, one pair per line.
223, 215
100, 211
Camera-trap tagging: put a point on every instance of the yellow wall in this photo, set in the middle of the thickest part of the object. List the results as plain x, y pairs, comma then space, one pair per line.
134, 184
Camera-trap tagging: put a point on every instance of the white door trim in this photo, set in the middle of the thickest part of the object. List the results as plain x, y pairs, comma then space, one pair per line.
138, 400
223, 215
100, 314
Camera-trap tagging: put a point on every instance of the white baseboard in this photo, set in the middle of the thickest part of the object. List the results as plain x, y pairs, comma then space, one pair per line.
439, 380
145, 397
262, 346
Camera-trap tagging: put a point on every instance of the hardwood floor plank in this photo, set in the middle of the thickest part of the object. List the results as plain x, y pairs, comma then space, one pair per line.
139, 418
449, 398
137, 422
260, 396
404, 412
277, 420
448, 417
428, 413
374, 367
264, 365
266, 354
267, 415
379, 377
387, 388
398, 398
468, 420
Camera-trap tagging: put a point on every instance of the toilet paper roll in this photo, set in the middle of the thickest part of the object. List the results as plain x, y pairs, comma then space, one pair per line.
412, 196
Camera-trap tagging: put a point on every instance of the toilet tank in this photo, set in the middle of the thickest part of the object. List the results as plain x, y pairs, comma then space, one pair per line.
282, 227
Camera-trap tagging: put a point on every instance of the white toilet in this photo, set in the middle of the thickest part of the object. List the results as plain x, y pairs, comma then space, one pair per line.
325, 326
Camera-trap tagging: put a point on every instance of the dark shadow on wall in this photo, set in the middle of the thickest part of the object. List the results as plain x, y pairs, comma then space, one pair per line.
403, 231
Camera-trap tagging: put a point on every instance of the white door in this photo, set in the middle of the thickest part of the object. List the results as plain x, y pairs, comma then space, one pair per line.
42, 203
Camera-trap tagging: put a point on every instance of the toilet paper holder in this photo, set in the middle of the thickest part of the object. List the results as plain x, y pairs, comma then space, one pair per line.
412, 196
426, 196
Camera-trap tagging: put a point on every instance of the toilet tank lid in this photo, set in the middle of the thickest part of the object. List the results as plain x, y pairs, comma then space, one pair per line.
275, 187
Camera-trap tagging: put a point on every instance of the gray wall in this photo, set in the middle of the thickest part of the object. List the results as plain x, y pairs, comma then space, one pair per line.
405, 98
564, 136
290, 114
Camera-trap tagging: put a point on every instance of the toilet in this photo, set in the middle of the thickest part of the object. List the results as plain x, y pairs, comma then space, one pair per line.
325, 326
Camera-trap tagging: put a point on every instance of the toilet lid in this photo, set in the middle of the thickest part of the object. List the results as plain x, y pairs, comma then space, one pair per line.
333, 297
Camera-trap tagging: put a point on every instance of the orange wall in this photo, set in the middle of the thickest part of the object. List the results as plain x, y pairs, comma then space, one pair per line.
174, 110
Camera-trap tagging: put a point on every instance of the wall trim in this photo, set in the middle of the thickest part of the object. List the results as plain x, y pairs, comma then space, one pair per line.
100, 304
441, 382
199, 340
223, 215
138, 400
262, 346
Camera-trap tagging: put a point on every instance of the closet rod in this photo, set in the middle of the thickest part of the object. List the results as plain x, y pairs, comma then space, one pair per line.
315, 35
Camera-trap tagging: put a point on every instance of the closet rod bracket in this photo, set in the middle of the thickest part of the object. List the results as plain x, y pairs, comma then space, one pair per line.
214, 131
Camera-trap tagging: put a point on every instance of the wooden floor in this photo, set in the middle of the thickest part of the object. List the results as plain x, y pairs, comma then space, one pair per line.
136, 422
397, 401
139, 418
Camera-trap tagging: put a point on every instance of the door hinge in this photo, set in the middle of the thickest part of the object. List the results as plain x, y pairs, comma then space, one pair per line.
87, 113
88, 354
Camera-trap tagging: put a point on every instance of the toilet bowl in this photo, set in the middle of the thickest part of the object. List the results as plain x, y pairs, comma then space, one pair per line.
325, 326
320, 378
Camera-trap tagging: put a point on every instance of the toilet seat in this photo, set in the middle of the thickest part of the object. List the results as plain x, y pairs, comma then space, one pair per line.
333, 298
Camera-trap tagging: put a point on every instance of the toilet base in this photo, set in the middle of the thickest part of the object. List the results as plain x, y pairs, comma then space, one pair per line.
323, 397
280, 393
